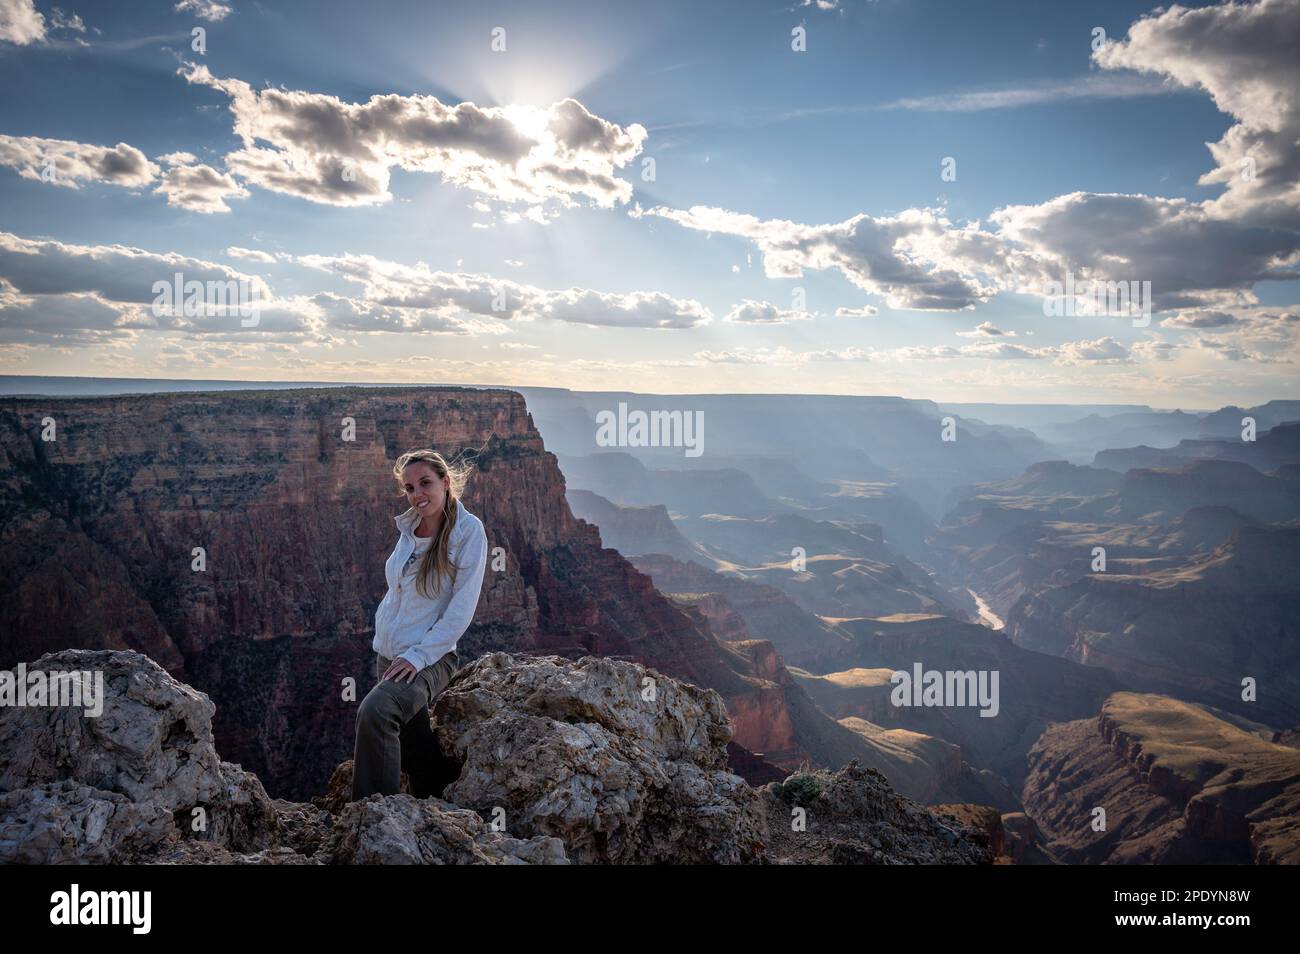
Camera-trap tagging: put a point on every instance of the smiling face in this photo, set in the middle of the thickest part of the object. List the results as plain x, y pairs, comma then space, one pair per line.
425, 490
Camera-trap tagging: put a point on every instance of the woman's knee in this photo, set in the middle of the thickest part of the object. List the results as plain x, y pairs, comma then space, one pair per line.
380, 707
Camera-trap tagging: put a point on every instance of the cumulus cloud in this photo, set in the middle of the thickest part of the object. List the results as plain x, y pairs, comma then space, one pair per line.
1105, 350
1005, 350
23, 25
903, 257
1259, 334
763, 313
1156, 349
1244, 55
392, 284
117, 272
986, 329
865, 311
109, 289
200, 188
20, 22
209, 10
1191, 257
251, 254
1201, 319
69, 164
1232, 352
320, 148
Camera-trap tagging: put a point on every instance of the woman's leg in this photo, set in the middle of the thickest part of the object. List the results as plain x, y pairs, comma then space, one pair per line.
421, 756
383, 714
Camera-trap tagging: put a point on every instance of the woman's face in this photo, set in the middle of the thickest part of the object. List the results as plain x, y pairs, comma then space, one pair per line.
425, 490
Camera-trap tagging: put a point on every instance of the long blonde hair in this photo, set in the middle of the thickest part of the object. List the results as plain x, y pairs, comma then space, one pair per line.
436, 563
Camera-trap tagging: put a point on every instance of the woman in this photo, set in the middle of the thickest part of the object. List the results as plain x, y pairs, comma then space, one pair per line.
434, 576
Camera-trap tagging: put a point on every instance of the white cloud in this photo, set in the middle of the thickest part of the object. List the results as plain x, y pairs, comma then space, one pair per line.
781, 356
896, 256
74, 163
20, 23
1191, 257
417, 286
209, 10
763, 313
986, 329
1245, 56
1093, 86
200, 188
865, 311
1156, 349
115, 272
1101, 350
320, 148
1232, 352
88, 291
251, 254
61, 21
1200, 319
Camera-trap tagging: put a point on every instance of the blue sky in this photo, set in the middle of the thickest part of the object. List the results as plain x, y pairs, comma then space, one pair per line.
686, 283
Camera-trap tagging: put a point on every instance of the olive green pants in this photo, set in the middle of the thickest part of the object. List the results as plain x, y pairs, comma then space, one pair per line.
393, 730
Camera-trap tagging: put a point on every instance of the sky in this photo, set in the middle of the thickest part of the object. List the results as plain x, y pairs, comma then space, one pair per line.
835, 196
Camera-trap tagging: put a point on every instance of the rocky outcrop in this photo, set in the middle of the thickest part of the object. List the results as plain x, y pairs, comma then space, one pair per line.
594, 761
633, 765
1177, 784
849, 817
985, 819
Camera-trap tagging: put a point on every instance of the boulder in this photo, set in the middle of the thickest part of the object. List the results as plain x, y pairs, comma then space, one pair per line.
622, 763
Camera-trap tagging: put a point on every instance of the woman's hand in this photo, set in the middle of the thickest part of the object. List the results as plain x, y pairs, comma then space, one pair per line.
399, 670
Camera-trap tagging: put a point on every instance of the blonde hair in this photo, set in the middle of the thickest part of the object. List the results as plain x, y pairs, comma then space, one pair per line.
436, 563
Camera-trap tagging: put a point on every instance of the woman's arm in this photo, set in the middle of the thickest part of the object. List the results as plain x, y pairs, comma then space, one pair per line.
455, 619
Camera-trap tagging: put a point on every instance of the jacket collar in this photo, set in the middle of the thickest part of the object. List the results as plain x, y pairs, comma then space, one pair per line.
408, 521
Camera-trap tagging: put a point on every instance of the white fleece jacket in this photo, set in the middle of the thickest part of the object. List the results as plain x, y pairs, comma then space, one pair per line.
420, 629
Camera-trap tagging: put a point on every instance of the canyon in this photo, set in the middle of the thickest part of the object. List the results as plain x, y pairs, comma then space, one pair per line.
237, 538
